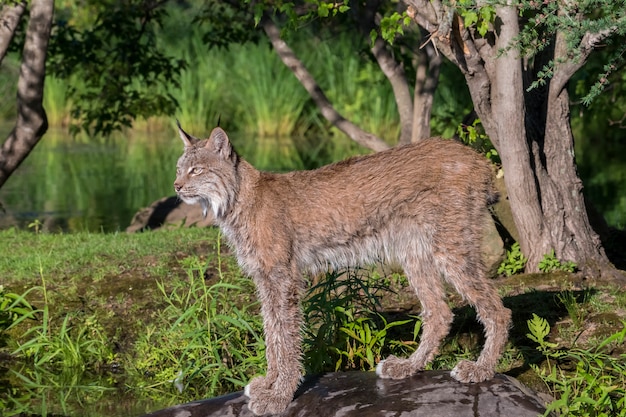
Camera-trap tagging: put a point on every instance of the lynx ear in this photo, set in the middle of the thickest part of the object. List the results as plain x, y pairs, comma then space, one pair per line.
188, 140
219, 143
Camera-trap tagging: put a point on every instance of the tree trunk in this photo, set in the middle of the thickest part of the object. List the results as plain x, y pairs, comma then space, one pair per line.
565, 216
508, 111
426, 80
10, 15
394, 71
531, 131
31, 121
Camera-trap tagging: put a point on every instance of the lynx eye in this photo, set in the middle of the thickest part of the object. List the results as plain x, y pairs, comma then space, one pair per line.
195, 171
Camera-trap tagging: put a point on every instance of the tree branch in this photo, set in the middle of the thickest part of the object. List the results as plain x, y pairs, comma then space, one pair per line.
10, 15
401, 92
31, 121
588, 43
289, 58
426, 81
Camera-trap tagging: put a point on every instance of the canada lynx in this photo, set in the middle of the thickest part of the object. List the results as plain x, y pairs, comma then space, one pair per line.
420, 206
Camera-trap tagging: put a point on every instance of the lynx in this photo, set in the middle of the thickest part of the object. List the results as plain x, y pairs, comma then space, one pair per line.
420, 206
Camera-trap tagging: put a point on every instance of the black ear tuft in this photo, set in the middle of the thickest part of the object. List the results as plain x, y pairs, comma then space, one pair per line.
187, 139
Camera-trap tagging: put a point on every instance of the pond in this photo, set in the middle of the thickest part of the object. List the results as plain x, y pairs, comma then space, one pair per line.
82, 184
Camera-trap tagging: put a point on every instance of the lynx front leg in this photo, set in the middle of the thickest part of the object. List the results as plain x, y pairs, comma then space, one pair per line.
280, 306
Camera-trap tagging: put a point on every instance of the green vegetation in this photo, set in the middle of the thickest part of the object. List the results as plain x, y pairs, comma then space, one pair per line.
585, 382
344, 329
166, 317
207, 340
475, 136
551, 263
515, 261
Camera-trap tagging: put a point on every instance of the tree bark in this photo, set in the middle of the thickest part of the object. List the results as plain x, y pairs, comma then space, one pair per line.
530, 131
10, 15
426, 81
397, 78
508, 112
289, 58
31, 121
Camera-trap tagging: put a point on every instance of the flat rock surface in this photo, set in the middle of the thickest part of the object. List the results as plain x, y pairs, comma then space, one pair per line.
363, 394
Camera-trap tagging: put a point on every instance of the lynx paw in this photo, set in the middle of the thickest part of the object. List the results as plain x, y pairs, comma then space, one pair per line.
395, 368
265, 400
467, 371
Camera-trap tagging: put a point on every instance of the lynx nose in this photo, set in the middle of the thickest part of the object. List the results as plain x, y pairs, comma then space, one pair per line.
177, 187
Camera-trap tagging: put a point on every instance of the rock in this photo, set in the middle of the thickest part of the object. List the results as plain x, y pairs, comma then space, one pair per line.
492, 247
502, 211
363, 394
169, 211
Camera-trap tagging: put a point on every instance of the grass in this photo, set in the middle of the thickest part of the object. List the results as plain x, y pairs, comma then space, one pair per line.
252, 92
168, 315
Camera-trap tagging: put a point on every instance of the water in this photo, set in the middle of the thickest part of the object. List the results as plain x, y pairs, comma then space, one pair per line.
72, 184
85, 184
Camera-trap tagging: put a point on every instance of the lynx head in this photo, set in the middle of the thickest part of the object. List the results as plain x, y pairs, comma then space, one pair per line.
206, 173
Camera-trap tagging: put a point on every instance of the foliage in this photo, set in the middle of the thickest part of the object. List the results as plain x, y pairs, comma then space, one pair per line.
13, 309
475, 136
544, 19
343, 330
114, 66
207, 341
551, 263
479, 17
595, 386
391, 26
515, 261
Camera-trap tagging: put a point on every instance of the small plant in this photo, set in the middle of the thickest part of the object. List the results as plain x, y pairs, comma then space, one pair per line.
344, 332
550, 263
514, 263
573, 307
366, 340
13, 309
597, 385
539, 329
35, 225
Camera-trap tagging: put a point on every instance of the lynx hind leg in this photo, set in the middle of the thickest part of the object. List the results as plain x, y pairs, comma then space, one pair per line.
471, 283
436, 320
